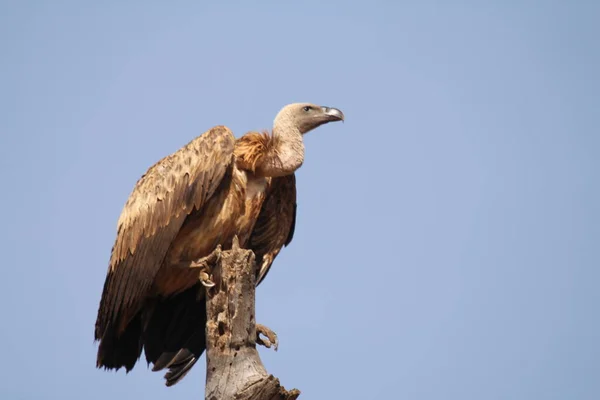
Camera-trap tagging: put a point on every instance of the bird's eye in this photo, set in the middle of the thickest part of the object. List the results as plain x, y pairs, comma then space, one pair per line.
307, 108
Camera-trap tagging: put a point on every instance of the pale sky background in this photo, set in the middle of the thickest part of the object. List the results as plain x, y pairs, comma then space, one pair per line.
448, 235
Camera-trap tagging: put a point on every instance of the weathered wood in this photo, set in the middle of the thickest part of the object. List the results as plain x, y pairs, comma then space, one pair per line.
234, 369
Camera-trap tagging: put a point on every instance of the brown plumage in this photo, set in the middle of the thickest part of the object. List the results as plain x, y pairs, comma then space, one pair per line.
185, 206
275, 225
251, 148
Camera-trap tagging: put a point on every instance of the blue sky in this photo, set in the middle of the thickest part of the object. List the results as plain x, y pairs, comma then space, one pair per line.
447, 243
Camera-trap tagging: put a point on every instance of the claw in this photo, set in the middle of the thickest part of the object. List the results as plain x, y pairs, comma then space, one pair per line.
205, 264
270, 338
205, 280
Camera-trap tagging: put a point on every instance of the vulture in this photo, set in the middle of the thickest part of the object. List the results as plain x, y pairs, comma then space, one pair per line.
184, 209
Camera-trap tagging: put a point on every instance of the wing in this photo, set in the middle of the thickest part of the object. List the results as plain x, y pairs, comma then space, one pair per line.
275, 225
152, 217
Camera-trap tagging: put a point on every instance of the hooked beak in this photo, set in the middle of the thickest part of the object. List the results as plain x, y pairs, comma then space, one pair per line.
333, 114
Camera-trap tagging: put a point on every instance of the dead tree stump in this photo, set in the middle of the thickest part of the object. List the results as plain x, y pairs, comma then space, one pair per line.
234, 369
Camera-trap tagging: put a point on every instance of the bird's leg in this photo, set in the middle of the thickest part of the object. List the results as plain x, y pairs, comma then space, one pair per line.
269, 339
206, 264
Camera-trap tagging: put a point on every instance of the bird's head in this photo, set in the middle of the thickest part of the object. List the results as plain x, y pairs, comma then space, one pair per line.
305, 116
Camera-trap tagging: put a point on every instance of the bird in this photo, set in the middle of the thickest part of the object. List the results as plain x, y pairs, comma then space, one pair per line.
182, 212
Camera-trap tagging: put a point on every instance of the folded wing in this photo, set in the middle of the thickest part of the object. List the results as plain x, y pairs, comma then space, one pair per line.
150, 220
275, 225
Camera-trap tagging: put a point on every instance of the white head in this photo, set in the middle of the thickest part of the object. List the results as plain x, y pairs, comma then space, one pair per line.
304, 117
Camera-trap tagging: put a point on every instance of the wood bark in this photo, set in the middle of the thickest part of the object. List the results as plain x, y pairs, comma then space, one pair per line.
234, 369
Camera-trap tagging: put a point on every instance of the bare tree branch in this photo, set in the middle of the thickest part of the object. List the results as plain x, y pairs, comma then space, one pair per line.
234, 369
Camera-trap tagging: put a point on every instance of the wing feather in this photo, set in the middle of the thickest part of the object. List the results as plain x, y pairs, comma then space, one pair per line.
153, 215
275, 225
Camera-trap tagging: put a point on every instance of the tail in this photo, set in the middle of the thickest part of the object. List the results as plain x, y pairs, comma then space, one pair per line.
171, 331
116, 351
181, 362
175, 335
120, 345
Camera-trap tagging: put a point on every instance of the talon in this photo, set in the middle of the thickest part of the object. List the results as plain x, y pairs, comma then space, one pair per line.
205, 265
269, 339
205, 280
263, 342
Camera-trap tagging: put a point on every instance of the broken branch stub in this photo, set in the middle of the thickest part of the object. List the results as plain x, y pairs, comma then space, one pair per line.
234, 369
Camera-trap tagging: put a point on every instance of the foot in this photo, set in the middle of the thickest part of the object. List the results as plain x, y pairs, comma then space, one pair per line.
269, 339
206, 264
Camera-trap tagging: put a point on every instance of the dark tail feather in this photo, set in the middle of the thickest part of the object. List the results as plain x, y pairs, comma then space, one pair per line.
181, 365
116, 351
175, 335
185, 358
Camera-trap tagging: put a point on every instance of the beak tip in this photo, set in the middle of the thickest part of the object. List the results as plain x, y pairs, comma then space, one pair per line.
334, 113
